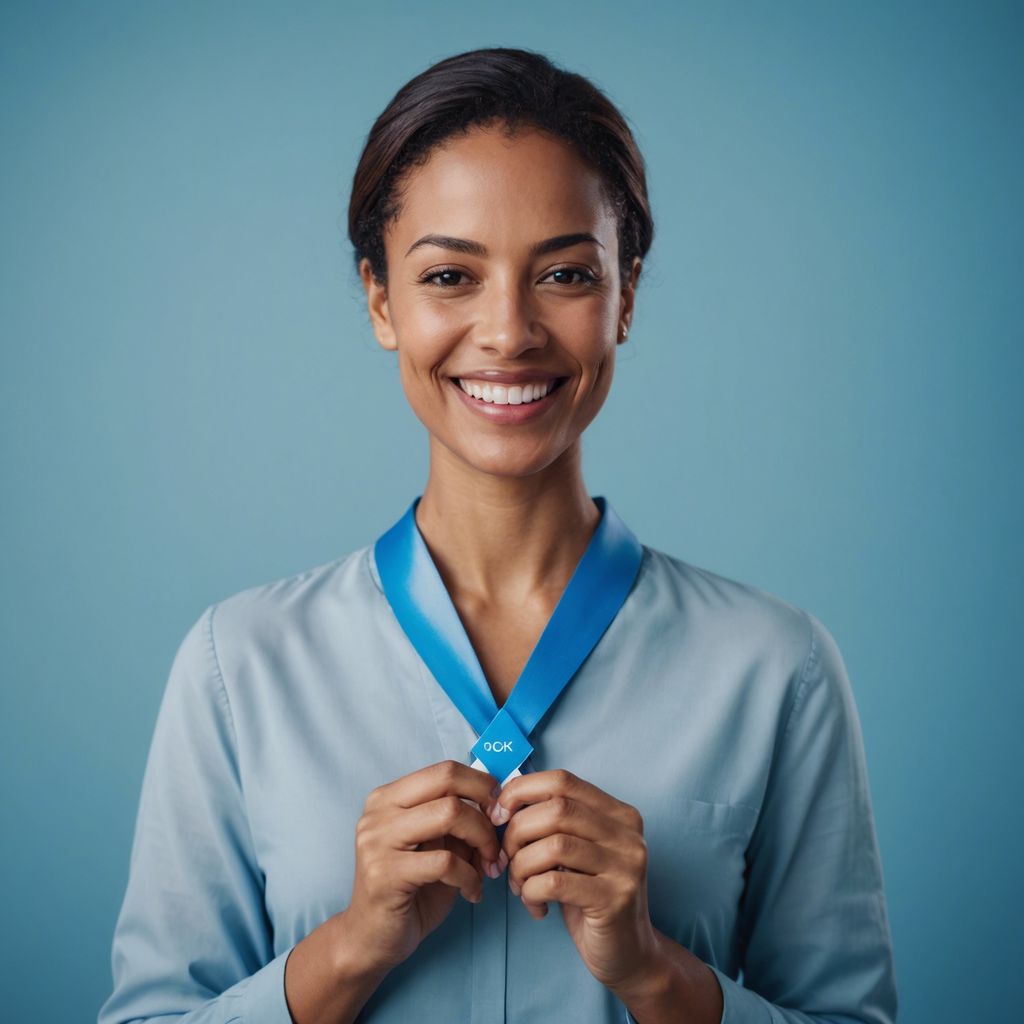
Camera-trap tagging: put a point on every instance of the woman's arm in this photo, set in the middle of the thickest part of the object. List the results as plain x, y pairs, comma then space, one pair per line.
192, 942
814, 930
327, 978
679, 987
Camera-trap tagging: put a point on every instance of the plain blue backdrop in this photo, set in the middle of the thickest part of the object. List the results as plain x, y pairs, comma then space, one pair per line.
820, 395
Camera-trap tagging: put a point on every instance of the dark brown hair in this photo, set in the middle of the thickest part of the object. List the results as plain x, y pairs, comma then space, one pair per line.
521, 88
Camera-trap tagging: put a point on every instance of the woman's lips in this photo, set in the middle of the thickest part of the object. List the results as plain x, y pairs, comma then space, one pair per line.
510, 413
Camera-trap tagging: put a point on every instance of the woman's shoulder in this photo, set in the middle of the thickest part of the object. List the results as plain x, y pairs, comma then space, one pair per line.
335, 591
717, 609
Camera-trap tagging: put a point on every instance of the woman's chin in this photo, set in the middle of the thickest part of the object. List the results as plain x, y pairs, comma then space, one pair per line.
508, 460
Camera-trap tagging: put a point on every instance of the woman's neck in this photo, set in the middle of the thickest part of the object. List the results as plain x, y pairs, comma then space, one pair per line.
503, 538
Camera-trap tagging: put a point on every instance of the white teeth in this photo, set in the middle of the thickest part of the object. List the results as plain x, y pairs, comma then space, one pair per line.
499, 394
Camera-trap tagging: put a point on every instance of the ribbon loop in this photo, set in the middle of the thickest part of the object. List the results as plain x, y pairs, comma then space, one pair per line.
592, 598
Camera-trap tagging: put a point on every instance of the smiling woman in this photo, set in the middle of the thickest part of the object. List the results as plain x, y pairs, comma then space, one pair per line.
523, 284
507, 696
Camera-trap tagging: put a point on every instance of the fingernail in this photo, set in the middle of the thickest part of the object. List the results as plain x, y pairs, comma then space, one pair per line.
512, 885
492, 868
499, 815
502, 862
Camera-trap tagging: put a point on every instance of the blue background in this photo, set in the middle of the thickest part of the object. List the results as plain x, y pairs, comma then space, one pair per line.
820, 395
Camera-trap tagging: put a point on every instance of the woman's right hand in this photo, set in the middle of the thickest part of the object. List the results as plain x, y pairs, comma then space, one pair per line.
418, 844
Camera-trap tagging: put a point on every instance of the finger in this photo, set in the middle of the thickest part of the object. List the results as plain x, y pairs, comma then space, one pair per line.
533, 787
435, 780
421, 867
562, 814
588, 892
468, 853
538, 911
561, 851
445, 816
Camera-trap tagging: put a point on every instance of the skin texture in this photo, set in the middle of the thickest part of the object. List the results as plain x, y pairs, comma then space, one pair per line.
506, 516
505, 310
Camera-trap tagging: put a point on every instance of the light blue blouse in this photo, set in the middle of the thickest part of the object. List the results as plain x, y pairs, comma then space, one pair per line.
721, 712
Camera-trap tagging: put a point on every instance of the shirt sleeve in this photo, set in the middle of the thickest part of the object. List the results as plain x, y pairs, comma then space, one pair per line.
814, 925
814, 930
192, 942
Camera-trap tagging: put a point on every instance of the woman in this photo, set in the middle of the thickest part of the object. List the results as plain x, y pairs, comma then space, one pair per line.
316, 799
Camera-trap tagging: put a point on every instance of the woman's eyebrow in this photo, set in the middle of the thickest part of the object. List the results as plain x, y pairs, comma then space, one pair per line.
464, 245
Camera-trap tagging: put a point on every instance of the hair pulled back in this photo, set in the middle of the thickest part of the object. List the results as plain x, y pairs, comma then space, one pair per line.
522, 89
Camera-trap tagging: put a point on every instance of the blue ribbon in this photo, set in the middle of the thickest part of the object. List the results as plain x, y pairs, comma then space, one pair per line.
593, 596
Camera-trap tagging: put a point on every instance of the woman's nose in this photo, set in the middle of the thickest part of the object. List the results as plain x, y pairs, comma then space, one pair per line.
508, 324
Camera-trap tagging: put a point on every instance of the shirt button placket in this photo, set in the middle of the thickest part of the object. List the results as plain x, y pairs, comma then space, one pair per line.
490, 962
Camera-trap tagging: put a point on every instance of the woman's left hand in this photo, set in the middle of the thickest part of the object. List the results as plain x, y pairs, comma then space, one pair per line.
571, 842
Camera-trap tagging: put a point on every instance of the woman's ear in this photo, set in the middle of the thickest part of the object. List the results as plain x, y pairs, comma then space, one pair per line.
377, 307
628, 297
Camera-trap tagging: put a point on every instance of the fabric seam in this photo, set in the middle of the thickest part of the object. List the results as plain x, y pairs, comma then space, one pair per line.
231, 725
801, 690
794, 703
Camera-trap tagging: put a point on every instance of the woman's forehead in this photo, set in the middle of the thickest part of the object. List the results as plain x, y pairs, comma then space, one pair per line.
487, 183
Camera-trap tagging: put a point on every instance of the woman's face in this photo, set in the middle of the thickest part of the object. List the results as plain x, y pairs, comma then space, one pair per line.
471, 295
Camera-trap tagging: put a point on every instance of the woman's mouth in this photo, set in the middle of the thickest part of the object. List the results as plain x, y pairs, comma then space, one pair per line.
503, 403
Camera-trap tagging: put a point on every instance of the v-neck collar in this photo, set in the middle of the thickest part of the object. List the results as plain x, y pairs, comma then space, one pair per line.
611, 548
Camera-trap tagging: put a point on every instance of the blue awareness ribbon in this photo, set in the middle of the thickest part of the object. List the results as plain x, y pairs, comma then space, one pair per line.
592, 598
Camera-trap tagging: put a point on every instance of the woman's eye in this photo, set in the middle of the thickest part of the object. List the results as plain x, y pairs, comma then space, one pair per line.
587, 277
429, 279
